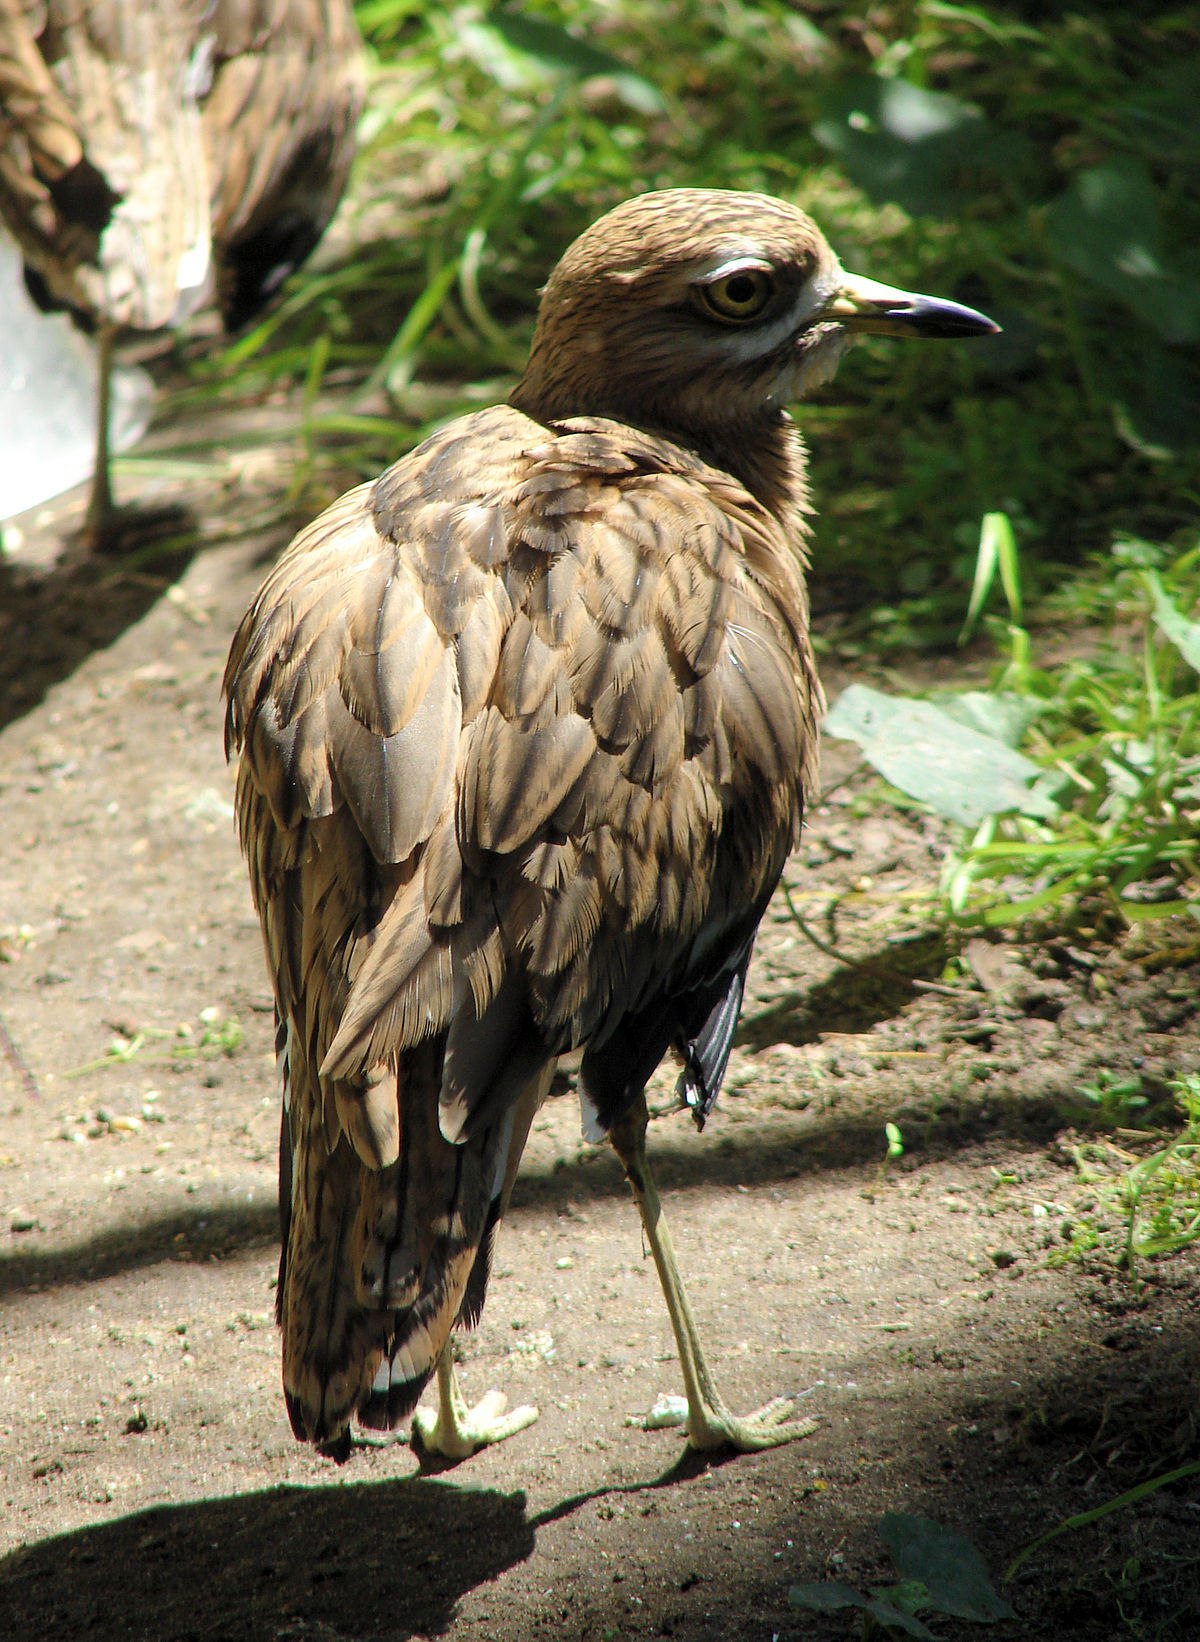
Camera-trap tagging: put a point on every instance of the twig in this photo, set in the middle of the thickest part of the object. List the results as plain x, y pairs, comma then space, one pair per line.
14, 1057
863, 964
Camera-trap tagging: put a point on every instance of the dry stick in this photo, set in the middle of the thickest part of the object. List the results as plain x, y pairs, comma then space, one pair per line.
865, 965
14, 1057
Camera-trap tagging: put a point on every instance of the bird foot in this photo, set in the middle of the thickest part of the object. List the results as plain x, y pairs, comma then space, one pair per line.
711, 1427
456, 1431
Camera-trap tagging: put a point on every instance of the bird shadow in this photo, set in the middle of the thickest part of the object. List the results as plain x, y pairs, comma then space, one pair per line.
377, 1559
53, 619
388, 1559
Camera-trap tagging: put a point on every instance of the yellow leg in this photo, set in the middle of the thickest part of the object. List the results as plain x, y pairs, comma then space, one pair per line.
456, 1431
709, 1422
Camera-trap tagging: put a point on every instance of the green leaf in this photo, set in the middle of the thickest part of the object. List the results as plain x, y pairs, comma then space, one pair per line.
830, 1597
896, 1618
1001, 714
932, 757
900, 142
997, 552
1183, 634
522, 52
826, 1597
949, 1566
1086, 1518
1105, 226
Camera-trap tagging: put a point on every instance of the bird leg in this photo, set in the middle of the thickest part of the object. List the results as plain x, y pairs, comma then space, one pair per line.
709, 1422
456, 1431
99, 520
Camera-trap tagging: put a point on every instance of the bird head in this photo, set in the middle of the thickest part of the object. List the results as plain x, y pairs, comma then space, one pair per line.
706, 312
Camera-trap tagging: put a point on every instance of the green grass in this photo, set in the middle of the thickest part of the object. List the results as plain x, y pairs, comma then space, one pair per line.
1116, 728
1142, 1188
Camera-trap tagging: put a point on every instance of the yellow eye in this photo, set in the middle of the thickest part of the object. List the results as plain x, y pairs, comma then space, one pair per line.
738, 296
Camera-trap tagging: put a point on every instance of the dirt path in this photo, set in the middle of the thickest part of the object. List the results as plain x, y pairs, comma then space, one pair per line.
152, 1488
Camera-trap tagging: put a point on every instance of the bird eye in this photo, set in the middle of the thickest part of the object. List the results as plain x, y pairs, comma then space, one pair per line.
738, 296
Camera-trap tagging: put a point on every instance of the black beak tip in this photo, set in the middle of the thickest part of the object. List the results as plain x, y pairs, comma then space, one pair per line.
938, 317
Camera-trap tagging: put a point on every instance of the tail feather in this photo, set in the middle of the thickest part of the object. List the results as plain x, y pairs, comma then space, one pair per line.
382, 1263
331, 1343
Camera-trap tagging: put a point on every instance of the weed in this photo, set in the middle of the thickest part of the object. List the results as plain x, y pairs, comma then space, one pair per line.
1114, 1101
1137, 1206
1102, 800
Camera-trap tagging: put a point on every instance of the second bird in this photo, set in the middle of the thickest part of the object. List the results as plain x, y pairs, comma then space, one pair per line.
526, 728
159, 154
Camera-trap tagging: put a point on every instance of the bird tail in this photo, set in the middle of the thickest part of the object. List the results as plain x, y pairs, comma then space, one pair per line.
380, 1262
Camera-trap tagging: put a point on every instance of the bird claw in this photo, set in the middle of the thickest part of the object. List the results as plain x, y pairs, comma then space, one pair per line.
767, 1427
711, 1425
455, 1432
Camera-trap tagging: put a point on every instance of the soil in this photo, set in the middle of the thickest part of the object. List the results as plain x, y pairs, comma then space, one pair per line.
914, 1306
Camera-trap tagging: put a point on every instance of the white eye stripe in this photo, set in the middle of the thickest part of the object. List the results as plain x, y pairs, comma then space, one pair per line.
735, 265
753, 341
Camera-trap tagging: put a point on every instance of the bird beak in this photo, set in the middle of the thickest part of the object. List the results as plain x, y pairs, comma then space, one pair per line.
866, 306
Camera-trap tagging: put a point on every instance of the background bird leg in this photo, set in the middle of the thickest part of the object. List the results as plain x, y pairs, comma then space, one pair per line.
709, 1423
456, 1431
98, 524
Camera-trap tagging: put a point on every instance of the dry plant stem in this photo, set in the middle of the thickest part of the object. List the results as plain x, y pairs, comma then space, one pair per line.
710, 1424
456, 1431
12, 1054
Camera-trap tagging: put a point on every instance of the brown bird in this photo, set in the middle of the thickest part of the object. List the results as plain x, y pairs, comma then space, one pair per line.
158, 154
526, 727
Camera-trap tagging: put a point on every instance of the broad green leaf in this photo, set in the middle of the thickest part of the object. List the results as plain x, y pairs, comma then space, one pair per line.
1105, 226
949, 1566
1183, 634
886, 1613
520, 52
900, 142
826, 1597
932, 757
1001, 714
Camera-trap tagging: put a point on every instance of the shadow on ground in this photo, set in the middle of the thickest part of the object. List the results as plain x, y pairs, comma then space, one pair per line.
52, 620
805, 1143
854, 998
1001, 1460
374, 1560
